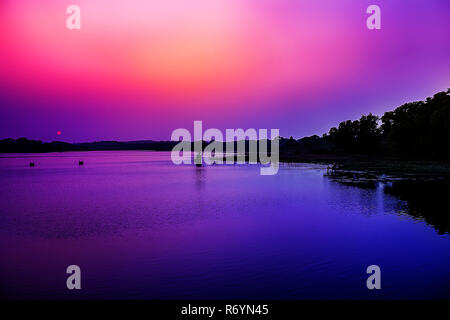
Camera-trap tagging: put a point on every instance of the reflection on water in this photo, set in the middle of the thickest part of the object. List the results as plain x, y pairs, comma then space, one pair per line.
141, 227
427, 200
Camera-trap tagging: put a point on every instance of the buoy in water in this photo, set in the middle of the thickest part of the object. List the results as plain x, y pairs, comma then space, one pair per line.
80, 163
31, 164
198, 160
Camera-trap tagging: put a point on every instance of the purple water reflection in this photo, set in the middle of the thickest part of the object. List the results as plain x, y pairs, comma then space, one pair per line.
140, 227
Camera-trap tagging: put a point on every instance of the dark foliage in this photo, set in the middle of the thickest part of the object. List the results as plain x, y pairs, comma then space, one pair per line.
419, 128
416, 129
24, 145
413, 129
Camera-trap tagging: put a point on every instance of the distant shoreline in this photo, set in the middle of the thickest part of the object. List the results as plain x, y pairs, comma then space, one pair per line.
410, 141
357, 169
344, 163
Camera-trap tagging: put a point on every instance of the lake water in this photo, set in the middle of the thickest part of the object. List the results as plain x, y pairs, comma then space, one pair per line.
142, 228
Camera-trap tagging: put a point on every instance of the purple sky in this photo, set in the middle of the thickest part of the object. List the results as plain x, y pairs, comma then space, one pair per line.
139, 70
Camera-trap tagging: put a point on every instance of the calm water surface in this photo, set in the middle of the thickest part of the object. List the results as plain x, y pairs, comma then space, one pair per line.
141, 227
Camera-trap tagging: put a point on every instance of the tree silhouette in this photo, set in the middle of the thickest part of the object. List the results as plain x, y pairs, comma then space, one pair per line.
413, 129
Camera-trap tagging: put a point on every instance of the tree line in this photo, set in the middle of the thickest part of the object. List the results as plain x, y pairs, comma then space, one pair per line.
415, 129
419, 128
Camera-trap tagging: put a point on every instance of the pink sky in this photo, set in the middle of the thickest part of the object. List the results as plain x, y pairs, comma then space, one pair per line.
140, 69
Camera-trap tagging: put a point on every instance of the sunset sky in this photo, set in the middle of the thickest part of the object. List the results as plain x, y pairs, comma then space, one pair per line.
138, 69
